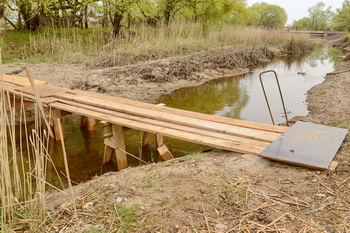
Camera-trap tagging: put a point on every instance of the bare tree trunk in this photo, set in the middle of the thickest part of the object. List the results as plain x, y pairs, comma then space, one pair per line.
117, 24
86, 18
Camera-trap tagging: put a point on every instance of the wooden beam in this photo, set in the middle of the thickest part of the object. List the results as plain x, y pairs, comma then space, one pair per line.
118, 136
57, 117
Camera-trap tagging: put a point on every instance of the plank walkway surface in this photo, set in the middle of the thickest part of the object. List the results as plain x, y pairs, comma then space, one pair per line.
215, 131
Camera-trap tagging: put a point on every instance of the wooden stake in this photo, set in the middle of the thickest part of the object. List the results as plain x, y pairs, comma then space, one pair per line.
159, 140
91, 124
120, 146
83, 122
108, 154
57, 119
146, 139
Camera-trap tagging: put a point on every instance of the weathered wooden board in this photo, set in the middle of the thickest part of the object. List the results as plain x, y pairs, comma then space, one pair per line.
20, 81
44, 90
173, 118
171, 125
219, 119
306, 144
191, 137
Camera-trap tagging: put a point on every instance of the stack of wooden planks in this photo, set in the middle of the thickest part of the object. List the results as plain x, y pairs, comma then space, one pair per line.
215, 131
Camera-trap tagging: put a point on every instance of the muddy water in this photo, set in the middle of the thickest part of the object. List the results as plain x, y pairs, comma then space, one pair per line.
236, 97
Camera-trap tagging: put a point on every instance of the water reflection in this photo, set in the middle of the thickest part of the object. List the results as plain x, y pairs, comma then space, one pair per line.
242, 97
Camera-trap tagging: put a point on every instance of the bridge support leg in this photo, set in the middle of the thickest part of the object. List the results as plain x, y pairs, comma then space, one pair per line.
108, 154
57, 117
120, 152
88, 122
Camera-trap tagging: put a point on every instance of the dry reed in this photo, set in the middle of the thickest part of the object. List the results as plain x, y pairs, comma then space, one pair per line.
24, 162
144, 43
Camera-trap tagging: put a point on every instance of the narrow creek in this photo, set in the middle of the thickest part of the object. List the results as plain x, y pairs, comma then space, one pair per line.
236, 97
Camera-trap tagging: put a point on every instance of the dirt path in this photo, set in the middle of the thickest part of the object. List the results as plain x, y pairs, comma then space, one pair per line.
220, 191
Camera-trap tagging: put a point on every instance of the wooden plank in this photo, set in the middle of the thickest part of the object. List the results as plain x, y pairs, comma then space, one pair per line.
118, 135
20, 81
173, 118
173, 133
172, 126
44, 90
219, 119
165, 153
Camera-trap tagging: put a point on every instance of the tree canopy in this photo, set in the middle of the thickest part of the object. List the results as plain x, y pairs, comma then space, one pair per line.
34, 14
267, 15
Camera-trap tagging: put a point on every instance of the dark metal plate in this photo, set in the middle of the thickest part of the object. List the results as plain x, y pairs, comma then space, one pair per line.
307, 144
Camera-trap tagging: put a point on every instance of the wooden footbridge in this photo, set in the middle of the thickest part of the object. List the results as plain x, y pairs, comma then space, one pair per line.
215, 131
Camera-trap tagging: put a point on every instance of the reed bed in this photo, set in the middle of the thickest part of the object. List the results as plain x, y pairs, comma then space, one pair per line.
24, 164
143, 43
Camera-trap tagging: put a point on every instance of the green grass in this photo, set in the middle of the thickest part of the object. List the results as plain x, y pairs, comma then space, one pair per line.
195, 156
128, 217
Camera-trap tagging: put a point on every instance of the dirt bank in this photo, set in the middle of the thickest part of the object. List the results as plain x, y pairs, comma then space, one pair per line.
146, 81
218, 191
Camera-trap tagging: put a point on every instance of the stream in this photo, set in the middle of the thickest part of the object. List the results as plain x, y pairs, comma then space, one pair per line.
236, 97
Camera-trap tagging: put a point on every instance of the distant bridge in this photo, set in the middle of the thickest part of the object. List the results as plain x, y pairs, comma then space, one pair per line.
317, 33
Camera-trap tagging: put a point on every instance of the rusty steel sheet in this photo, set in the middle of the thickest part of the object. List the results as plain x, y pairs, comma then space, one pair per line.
307, 144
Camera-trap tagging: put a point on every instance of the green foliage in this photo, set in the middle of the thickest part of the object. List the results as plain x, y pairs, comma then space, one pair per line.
128, 217
267, 15
341, 21
302, 24
319, 17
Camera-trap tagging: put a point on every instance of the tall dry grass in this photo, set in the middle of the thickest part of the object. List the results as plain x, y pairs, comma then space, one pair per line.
24, 163
143, 43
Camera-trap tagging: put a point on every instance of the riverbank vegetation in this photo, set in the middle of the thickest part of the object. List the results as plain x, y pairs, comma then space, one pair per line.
96, 47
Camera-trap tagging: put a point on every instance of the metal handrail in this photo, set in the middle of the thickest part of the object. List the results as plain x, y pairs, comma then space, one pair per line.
267, 102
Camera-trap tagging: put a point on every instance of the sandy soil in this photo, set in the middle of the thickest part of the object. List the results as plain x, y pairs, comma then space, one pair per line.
218, 191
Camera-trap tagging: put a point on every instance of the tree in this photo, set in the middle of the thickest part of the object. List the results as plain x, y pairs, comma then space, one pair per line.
302, 24
341, 21
215, 10
319, 17
267, 15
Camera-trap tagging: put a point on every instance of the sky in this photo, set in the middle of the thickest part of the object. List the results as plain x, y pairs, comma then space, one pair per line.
297, 9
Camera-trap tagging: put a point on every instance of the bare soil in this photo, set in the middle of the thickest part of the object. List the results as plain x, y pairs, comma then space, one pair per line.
218, 191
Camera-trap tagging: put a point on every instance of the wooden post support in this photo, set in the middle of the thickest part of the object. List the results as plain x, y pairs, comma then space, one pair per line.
108, 154
146, 137
91, 124
83, 122
118, 136
159, 140
88, 122
57, 116
165, 153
